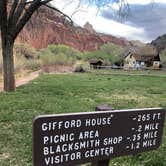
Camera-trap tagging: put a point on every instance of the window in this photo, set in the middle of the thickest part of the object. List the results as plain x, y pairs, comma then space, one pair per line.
142, 63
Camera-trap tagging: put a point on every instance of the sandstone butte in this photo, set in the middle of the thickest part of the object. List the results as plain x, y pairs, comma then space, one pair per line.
49, 27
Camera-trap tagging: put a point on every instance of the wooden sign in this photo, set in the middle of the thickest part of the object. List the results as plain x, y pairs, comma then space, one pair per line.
77, 138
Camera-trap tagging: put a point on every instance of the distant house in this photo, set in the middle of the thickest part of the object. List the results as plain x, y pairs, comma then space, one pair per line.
140, 57
96, 63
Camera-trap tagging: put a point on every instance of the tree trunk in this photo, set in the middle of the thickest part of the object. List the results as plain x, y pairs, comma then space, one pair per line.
8, 65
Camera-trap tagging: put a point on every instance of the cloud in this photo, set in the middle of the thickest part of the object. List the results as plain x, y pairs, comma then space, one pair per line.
145, 22
143, 2
151, 18
102, 25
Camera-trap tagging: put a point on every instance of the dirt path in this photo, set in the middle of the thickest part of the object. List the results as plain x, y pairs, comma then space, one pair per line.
23, 80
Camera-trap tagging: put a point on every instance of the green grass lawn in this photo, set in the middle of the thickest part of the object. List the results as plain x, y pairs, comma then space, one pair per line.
51, 94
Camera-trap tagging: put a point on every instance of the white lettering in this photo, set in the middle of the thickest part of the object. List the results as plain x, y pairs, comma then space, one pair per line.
58, 138
48, 150
152, 126
156, 116
51, 126
62, 158
150, 135
98, 121
149, 143
89, 134
112, 140
99, 152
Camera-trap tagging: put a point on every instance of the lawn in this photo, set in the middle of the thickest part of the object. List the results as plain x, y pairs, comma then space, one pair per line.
75, 93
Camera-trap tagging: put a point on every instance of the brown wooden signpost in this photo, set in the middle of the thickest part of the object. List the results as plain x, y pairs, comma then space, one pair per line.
71, 139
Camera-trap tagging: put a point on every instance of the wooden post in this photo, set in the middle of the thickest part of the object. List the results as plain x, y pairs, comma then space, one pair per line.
100, 163
103, 107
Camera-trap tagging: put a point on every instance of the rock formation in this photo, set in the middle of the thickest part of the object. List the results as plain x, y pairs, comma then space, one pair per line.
160, 43
49, 27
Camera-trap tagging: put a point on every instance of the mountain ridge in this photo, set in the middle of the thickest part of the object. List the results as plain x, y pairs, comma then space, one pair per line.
160, 42
49, 27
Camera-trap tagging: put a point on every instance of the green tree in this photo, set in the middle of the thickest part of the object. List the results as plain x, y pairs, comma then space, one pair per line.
163, 57
110, 53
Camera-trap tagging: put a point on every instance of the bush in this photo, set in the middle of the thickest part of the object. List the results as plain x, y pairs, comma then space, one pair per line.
58, 55
79, 69
53, 60
32, 65
21, 63
25, 57
66, 50
25, 50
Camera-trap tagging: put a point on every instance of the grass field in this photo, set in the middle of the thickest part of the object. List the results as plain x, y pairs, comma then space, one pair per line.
75, 93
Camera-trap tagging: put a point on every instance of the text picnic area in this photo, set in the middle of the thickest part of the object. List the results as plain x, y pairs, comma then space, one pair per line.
83, 137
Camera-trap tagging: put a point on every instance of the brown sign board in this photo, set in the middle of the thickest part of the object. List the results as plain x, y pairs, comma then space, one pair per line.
70, 139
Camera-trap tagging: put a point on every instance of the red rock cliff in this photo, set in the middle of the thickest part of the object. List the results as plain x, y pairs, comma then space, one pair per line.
49, 27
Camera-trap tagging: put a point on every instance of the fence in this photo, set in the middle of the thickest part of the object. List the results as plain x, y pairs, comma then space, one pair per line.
129, 70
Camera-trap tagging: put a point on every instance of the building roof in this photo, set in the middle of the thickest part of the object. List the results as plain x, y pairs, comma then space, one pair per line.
143, 53
147, 50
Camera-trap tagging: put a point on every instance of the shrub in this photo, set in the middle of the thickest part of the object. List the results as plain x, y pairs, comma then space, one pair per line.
52, 60
32, 65
66, 50
25, 57
25, 50
79, 69
21, 63
58, 55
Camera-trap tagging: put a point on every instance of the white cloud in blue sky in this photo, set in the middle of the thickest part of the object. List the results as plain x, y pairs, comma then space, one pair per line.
143, 2
140, 25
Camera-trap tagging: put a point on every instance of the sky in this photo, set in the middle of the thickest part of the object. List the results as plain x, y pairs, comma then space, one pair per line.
145, 21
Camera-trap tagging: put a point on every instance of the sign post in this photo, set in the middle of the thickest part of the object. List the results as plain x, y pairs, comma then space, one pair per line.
71, 139
100, 108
